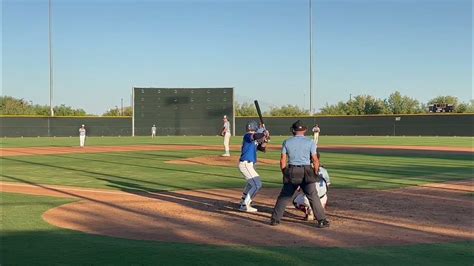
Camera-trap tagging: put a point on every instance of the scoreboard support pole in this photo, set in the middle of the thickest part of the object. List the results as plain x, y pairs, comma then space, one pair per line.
133, 111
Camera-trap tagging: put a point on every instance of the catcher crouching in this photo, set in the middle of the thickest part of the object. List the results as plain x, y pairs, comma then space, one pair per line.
301, 202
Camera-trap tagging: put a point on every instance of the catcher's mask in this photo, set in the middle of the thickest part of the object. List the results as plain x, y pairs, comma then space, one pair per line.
298, 126
251, 126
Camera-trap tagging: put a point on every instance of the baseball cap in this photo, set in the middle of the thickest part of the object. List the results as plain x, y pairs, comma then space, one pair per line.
225, 117
298, 126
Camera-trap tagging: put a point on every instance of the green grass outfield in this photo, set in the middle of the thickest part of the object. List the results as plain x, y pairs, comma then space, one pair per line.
27, 240
125, 170
216, 140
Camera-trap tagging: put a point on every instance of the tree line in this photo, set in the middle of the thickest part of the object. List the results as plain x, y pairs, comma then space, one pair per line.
13, 106
358, 105
364, 105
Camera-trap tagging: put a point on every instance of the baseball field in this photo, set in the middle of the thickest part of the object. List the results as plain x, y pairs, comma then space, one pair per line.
174, 201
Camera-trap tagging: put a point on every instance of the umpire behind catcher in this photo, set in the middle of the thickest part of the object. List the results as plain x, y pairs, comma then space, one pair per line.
299, 152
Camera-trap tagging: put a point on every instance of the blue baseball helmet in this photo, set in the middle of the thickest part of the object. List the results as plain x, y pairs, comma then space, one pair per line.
251, 126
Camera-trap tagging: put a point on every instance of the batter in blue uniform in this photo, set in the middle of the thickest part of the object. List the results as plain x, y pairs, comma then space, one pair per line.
248, 159
295, 163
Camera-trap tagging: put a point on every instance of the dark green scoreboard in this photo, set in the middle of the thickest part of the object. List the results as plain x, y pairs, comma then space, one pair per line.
181, 111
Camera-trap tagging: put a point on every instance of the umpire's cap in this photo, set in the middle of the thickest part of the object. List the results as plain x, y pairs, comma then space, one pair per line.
298, 126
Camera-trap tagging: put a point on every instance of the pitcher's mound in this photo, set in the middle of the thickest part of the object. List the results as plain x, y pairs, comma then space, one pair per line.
219, 161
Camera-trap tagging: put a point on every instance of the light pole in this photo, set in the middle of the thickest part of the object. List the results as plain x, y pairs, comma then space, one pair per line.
50, 64
310, 59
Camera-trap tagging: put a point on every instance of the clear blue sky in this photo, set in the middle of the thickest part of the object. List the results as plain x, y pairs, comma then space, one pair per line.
102, 48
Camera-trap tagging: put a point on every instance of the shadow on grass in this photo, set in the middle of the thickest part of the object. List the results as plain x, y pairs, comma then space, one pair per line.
227, 209
61, 247
208, 204
175, 170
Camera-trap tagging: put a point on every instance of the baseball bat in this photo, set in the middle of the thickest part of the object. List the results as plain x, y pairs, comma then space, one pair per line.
258, 111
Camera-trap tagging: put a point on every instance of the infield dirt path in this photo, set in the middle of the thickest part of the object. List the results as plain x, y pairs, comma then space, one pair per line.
425, 214
4, 152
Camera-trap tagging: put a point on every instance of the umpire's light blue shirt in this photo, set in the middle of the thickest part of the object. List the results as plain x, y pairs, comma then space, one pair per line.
299, 150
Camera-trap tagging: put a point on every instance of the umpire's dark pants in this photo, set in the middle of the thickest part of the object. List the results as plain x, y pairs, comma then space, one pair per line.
293, 177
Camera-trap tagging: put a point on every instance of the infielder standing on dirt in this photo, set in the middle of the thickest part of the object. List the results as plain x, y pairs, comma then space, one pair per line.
295, 164
82, 136
153, 131
248, 158
316, 130
225, 132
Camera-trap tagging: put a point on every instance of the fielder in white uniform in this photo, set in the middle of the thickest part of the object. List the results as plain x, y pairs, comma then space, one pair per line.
82, 136
301, 202
225, 132
153, 131
316, 130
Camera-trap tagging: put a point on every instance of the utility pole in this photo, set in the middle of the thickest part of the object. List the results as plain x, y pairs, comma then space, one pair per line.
121, 108
310, 59
50, 63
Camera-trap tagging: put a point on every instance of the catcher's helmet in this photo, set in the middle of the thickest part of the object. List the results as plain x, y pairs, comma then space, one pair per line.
251, 126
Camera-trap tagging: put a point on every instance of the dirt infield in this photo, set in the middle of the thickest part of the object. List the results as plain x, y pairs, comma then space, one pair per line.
4, 152
425, 214
219, 161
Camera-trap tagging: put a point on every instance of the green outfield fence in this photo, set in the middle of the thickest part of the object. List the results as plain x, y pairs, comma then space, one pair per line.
43, 126
375, 125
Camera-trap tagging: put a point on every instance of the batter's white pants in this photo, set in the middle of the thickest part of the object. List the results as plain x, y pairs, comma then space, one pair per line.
253, 184
82, 140
227, 143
